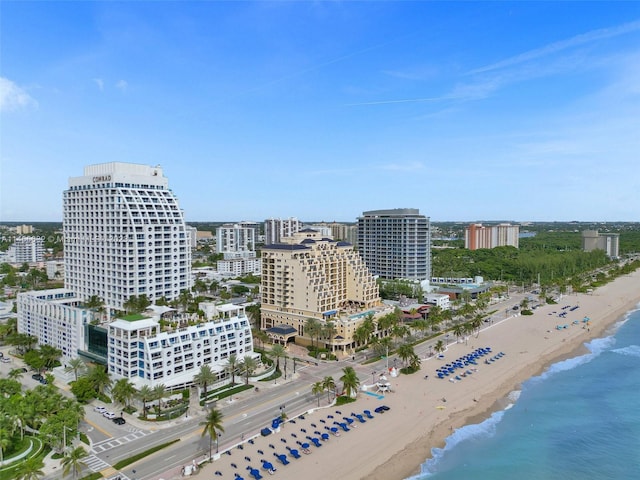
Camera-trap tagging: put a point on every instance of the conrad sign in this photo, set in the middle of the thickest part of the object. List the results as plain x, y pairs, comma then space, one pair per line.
101, 178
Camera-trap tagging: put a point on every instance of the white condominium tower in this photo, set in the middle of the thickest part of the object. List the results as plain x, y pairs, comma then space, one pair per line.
396, 243
276, 229
236, 237
124, 235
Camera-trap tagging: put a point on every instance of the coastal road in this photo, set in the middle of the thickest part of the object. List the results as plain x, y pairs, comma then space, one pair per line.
245, 415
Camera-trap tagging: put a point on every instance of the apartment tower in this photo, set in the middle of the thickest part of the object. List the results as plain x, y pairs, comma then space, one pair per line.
396, 243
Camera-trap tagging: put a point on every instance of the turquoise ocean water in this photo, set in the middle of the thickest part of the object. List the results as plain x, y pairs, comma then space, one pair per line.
578, 420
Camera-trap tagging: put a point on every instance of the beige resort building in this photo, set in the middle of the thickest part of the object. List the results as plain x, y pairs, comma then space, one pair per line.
310, 276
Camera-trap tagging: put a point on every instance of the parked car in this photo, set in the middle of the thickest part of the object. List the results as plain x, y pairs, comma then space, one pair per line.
37, 377
119, 421
100, 409
109, 415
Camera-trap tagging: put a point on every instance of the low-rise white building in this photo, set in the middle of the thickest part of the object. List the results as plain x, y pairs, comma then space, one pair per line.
439, 300
144, 351
54, 317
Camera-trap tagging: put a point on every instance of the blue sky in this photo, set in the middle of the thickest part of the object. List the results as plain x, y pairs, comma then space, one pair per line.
523, 111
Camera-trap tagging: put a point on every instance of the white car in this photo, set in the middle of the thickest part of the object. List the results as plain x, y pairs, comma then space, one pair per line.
100, 409
109, 415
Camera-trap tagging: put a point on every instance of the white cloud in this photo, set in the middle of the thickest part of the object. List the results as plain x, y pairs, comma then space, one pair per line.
122, 85
100, 83
552, 48
12, 97
403, 167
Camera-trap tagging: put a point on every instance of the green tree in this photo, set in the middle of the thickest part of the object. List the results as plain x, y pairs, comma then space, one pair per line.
205, 377
77, 366
329, 384
317, 389
16, 373
439, 347
312, 328
72, 462
83, 390
247, 367
159, 393
123, 391
99, 378
145, 394
278, 352
213, 425
30, 469
406, 353
232, 365
350, 381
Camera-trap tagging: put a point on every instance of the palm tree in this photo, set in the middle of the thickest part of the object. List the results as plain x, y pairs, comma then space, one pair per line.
159, 392
247, 367
5, 441
406, 353
145, 394
212, 425
232, 365
75, 365
50, 355
123, 391
458, 331
439, 346
30, 469
72, 461
205, 377
317, 389
328, 331
329, 385
99, 378
312, 328
350, 381
278, 352
16, 373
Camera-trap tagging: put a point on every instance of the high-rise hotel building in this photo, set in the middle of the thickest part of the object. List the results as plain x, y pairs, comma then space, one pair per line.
124, 235
396, 244
309, 276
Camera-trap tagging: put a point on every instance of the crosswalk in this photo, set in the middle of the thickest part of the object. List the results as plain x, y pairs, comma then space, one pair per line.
110, 443
95, 464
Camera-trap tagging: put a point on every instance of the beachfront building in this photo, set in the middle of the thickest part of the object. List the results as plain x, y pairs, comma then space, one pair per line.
478, 236
124, 235
396, 244
275, 229
609, 242
148, 351
308, 276
55, 318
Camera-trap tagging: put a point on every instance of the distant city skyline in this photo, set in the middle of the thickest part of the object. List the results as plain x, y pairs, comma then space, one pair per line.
502, 111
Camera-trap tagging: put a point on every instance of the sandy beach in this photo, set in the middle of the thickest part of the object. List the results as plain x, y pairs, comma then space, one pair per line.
392, 444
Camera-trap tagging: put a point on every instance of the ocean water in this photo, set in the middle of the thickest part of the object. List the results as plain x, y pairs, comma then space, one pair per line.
580, 419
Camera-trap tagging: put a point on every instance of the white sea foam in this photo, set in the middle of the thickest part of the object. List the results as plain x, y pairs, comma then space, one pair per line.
631, 351
485, 429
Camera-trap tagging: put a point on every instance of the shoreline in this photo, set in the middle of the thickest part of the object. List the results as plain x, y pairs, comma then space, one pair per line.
395, 445
482, 410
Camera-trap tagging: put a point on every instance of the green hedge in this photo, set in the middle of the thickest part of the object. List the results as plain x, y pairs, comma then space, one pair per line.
128, 461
